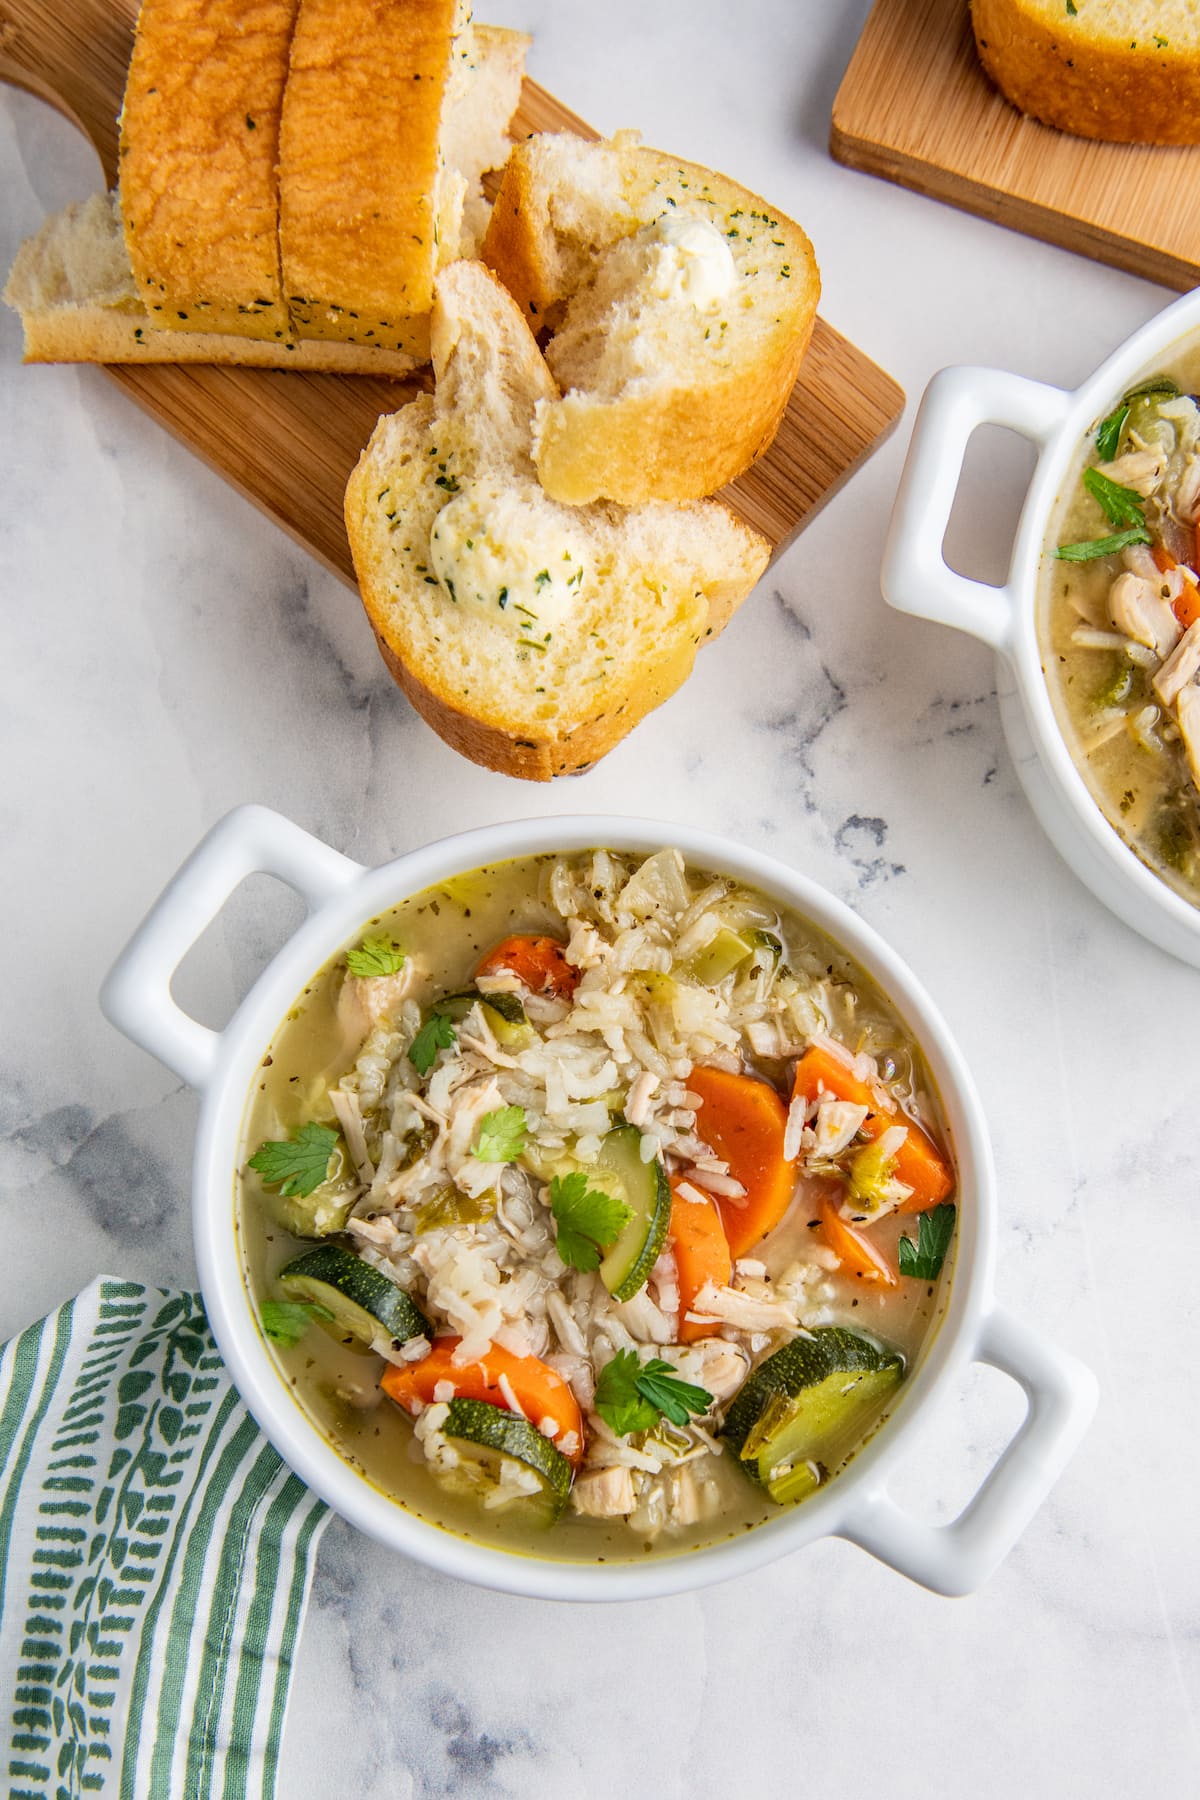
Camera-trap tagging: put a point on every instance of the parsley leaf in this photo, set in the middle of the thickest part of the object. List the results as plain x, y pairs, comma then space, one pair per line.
923, 1260
297, 1165
375, 956
633, 1397
501, 1135
1108, 432
437, 1033
1137, 534
1121, 505
588, 1220
286, 1321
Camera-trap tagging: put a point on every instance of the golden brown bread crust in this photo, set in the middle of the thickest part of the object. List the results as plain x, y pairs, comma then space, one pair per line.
511, 247
199, 144
359, 163
664, 444
106, 334
528, 758
1067, 74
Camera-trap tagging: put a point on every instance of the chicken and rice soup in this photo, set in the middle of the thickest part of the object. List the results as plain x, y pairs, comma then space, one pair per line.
1120, 622
592, 1205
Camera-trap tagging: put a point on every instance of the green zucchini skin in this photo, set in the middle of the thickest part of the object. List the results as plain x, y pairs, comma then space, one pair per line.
499, 1433
363, 1300
644, 1187
506, 1015
808, 1404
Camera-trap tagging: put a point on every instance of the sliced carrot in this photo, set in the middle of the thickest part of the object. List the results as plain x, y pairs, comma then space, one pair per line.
540, 1393
744, 1121
539, 963
920, 1165
1187, 606
701, 1252
855, 1250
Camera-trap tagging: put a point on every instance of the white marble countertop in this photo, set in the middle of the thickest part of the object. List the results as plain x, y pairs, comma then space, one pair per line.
169, 653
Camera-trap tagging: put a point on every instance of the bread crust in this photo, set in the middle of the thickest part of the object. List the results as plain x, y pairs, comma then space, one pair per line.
512, 246
199, 145
538, 758
105, 334
1079, 75
669, 445
677, 440
359, 165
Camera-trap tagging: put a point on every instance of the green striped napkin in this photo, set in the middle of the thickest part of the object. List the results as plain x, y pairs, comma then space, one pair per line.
155, 1558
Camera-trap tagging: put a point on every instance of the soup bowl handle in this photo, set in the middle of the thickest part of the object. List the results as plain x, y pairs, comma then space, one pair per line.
957, 1558
916, 577
251, 840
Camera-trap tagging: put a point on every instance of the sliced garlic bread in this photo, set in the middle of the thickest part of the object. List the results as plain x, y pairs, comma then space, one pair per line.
1118, 70
531, 635
380, 102
73, 287
680, 306
199, 147
201, 186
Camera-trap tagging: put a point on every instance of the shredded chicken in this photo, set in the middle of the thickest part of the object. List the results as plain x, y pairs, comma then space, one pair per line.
1141, 470
745, 1312
1139, 610
1187, 712
366, 999
1181, 668
836, 1126
603, 1493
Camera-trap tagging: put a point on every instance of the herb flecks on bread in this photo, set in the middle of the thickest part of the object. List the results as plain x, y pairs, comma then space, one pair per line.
199, 147
220, 131
680, 306
1118, 70
390, 117
532, 635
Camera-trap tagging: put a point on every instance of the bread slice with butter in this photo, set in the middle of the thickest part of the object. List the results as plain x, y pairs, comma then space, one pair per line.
531, 635
680, 305
1117, 70
186, 265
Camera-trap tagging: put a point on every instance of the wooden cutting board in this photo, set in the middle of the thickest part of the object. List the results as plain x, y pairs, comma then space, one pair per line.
288, 441
915, 106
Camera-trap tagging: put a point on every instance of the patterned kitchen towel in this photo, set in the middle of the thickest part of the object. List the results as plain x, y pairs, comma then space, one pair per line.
155, 1559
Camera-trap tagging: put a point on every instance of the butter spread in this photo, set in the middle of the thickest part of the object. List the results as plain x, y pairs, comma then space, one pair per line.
487, 548
690, 260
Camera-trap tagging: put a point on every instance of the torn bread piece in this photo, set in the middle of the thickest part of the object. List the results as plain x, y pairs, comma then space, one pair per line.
680, 306
531, 635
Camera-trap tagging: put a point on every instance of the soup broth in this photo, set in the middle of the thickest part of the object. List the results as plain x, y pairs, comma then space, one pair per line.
1119, 621
648, 983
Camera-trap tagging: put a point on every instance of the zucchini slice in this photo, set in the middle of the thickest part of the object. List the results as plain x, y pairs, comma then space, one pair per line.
803, 1410
720, 957
485, 1435
364, 1302
505, 1015
316, 1215
646, 1191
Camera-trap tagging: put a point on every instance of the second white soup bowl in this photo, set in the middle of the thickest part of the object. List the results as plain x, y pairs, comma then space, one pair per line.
917, 579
